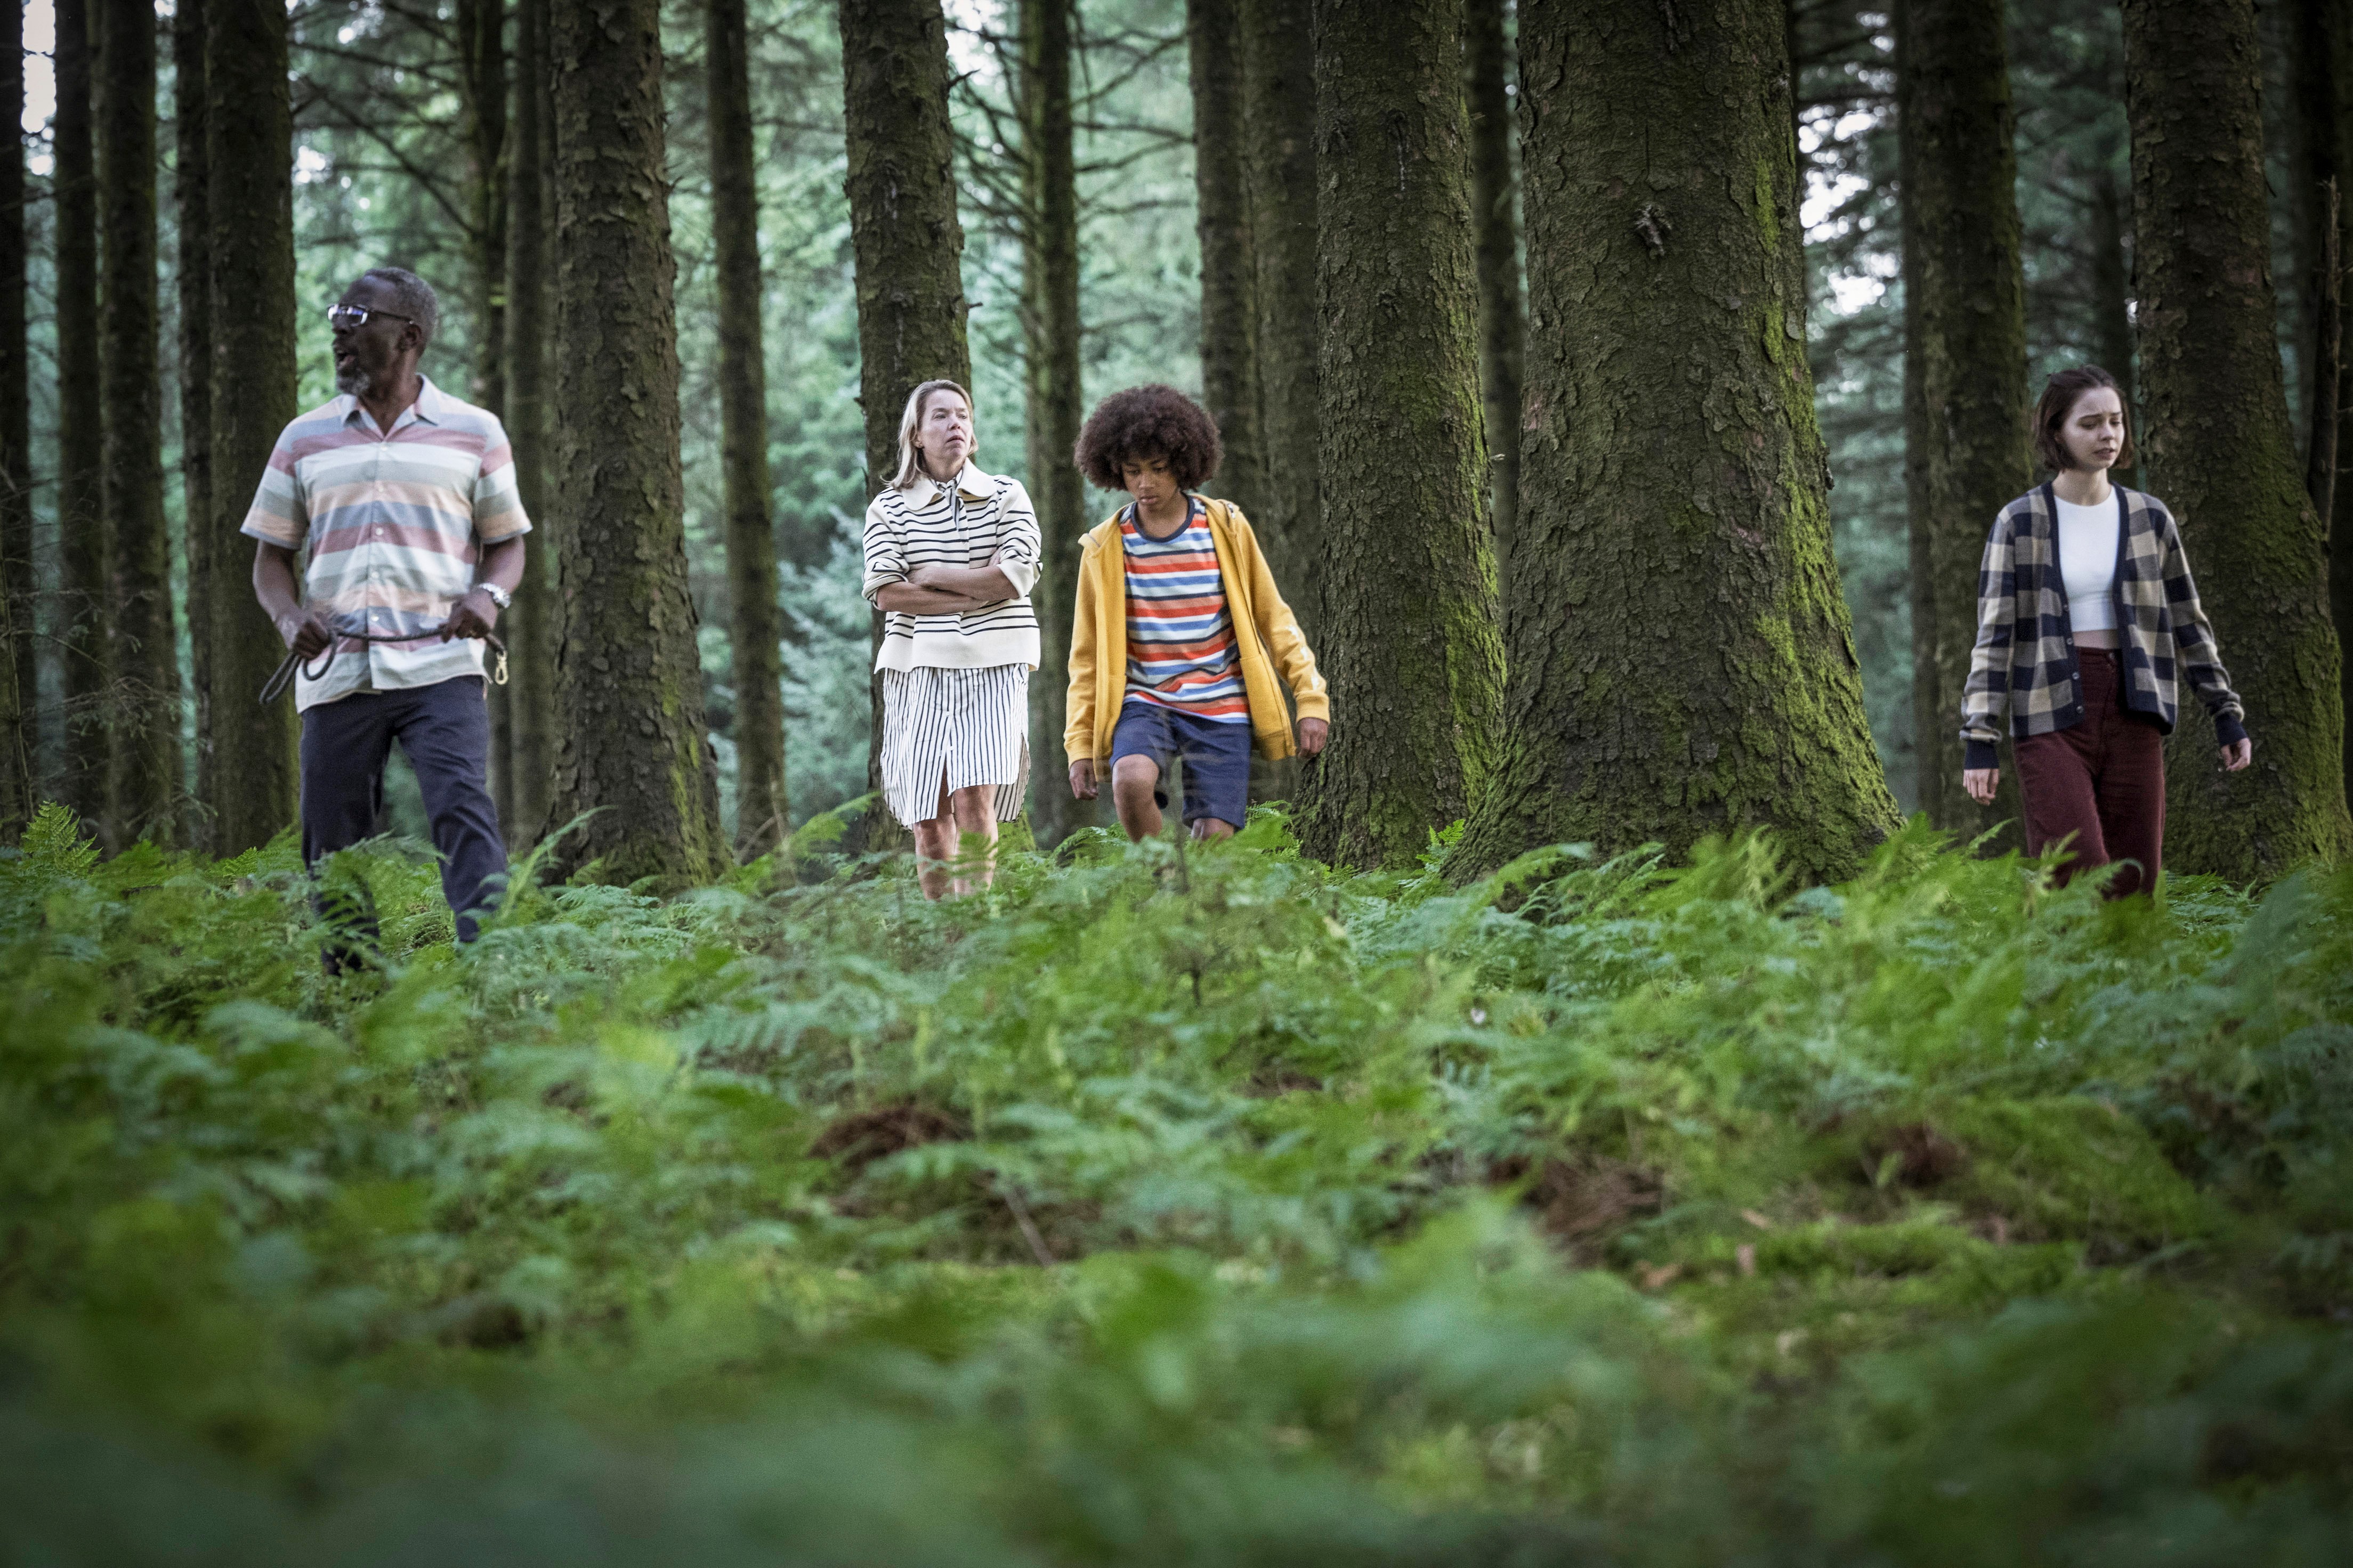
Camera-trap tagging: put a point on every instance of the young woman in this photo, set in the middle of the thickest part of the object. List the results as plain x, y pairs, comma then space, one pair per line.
951, 556
2086, 618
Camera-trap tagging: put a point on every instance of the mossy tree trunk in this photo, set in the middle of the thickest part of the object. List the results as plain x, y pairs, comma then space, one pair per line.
21, 698
1503, 314
1682, 663
908, 243
1410, 643
1963, 274
144, 784
1053, 397
249, 199
531, 625
83, 624
2324, 56
1923, 750
193, 232
632, 747
1279, 169
2220, 449
482, 84
1230, 387
757, 625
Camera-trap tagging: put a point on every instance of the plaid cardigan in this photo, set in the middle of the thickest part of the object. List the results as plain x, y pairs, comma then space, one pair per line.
2025, 653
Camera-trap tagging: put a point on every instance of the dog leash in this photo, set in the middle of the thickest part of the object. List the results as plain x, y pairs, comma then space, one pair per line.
283, 677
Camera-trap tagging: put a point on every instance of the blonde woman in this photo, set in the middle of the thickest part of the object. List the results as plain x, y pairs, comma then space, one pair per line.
951, 556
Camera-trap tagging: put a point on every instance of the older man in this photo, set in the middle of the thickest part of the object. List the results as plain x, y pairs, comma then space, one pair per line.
407, 497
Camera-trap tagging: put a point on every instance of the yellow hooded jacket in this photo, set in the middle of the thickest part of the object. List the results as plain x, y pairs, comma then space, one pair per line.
1265, 635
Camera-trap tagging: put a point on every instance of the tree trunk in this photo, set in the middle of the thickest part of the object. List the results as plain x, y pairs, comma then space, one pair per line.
21, 698
1502, 330
762, 820
1925, 718
82, 620
198, 545
1410, 648
482, 80
143, 719
2112, 290
907, 241
2337, 40
628, 682
1279, 167
250, 198
531, 625
1674, 478
1964, 273
1230, 387
1053, 398
2220, 449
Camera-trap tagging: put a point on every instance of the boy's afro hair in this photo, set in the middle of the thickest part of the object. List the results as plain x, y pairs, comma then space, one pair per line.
1153, 421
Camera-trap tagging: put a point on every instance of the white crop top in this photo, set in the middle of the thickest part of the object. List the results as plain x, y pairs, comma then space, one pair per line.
2088, 536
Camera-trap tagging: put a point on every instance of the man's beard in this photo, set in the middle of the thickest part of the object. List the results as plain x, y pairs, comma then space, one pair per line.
353, 378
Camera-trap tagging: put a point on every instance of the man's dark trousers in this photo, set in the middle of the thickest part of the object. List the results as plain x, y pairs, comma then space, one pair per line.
445, 731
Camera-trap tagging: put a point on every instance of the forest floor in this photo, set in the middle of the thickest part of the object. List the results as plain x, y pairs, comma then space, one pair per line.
1211, 1207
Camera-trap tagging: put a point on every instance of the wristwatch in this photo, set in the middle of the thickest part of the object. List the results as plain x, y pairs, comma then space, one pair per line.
498, 595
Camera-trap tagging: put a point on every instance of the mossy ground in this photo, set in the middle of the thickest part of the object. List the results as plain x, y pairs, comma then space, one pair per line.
1171, 1206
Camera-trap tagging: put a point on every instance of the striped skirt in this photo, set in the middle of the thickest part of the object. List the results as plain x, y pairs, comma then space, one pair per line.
968, 727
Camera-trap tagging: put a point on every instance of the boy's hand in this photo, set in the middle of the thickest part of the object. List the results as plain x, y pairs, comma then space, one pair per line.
1082, 778
1312, 733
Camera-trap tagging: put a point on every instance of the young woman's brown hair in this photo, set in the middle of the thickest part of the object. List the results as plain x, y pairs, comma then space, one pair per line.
2058, 400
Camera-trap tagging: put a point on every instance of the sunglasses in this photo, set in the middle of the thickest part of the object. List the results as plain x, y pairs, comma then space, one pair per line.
359, 315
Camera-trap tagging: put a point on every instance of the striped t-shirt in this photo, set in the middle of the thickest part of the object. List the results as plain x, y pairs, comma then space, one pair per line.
979, 520
1180, 636
395, 524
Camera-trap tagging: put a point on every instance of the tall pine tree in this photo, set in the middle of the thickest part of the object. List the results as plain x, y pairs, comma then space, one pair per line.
1279, 168
199, 548
531, 625
1229, 386
83, 642
1494, 209
18, 703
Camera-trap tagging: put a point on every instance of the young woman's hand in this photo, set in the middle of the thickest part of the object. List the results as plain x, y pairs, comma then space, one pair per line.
1312, 733
1980, 783
2238, 754
1082, 779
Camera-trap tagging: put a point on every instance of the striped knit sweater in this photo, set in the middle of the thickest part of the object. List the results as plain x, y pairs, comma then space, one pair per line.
980, 520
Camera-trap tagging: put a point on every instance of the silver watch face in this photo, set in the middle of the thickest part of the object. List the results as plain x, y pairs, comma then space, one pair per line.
498, 595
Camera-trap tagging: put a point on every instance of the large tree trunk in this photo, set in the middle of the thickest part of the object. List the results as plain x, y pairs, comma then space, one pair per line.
482, 80
200, 549
1052, 394
144, 719
907, 241
22, 698
1682, 663
632, 745
1925, 751
1279, 167
1962, 269
2220, 449
249, 194
1409, 640
2112, 287
1502, 330
82, 620
2324, 69
762, 821
531, 625
1230, 387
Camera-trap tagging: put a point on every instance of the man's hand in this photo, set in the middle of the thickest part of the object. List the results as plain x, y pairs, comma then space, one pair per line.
304, 631
2238, 754
1082, 779
1313, 734
1980, 783
471, 616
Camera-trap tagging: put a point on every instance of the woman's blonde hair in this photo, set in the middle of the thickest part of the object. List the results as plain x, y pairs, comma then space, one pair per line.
909, 463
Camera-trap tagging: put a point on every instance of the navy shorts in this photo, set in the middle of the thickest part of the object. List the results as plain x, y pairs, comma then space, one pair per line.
1217, 757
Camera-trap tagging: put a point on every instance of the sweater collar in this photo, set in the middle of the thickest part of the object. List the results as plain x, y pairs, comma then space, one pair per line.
970, 481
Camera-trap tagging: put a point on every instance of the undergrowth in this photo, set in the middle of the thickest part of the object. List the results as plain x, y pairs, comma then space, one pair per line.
1163, 1206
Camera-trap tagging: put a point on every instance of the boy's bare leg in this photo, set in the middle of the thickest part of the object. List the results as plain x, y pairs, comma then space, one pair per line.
935, 845
1132, 782
973, 812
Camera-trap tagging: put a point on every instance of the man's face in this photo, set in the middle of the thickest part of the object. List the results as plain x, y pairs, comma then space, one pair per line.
368, 355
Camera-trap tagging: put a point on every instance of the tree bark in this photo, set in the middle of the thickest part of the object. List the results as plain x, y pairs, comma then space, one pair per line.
83, 621
1279, 168
1964, 272
1925, 718
633, 748
2219, 448
249, 194
2336, 41
1502, 321
1410, 648
1230, 386
144, 717
758, 628
907, 242
531, 624
482, 83
1052, 389
202, 552
1682, 663
2112, 287
21, 698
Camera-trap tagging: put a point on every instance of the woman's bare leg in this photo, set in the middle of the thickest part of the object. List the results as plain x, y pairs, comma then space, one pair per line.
973, 815
935, 845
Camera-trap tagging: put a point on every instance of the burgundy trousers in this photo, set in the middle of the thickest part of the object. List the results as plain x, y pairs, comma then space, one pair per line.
2101, 782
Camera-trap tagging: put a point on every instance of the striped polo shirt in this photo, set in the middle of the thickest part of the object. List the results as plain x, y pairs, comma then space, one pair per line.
395, 524
1180, 636
980, 520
